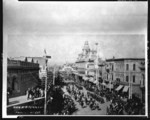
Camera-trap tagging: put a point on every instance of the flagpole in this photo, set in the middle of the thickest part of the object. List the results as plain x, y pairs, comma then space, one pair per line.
54, 76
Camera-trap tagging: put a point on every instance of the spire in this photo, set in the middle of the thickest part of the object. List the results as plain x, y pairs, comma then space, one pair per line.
86, 46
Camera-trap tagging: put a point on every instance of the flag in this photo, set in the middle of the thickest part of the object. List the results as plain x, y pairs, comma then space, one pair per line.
48, 56
45, 51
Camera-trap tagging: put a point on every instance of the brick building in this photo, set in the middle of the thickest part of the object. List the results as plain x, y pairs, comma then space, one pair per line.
21, 75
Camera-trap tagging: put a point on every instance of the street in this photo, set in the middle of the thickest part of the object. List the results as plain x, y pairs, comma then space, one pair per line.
87, 110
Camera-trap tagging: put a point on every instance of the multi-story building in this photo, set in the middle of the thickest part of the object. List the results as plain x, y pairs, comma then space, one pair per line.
44, 71
21, 75
142, 68
42, 64
127, 73
86, 66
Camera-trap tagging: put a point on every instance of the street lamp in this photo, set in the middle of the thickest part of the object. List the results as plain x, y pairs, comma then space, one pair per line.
45, 105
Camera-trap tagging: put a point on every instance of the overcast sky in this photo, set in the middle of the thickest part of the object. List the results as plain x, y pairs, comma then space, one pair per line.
62, 28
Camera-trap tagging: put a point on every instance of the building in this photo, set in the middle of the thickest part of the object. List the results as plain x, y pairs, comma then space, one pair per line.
21, 75
87, 70
127, 73
142, 68
42, 64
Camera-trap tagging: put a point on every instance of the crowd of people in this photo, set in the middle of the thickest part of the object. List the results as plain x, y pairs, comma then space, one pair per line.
28, 109
119, 102
83, 99
118, 106
69, 106
60, 103
35, 93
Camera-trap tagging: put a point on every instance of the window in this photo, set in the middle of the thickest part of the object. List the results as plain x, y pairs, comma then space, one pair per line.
112, 67
127, 66
133, 78
134, 67
127, 78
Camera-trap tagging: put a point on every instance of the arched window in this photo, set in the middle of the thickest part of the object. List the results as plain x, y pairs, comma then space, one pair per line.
15, 85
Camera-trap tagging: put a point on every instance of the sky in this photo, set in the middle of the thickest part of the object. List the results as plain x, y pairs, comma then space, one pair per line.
62, 28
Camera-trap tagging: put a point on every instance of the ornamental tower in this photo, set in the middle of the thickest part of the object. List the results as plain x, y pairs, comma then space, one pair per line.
86, 48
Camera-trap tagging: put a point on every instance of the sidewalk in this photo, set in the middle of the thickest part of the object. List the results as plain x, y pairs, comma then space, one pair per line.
20, 100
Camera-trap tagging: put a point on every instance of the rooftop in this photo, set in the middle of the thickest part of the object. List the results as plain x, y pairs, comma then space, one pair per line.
122, 59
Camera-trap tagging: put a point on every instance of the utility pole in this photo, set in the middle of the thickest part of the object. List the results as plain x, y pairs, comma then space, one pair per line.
54, 76
45, 104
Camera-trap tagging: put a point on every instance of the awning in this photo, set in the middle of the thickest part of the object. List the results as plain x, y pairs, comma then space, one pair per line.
85, 78
119, 87
82, 75
110, 86
104, 84
95, 82
75, 73
91, 79
125, 89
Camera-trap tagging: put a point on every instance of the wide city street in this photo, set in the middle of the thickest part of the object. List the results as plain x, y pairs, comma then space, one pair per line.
87, 110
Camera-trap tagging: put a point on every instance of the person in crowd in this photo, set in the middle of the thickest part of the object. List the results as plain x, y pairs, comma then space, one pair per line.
28, 93
33, 94
8, 93
37, 92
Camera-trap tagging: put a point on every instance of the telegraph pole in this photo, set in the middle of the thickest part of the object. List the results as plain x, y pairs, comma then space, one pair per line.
45, 104
97, 64
54, 76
